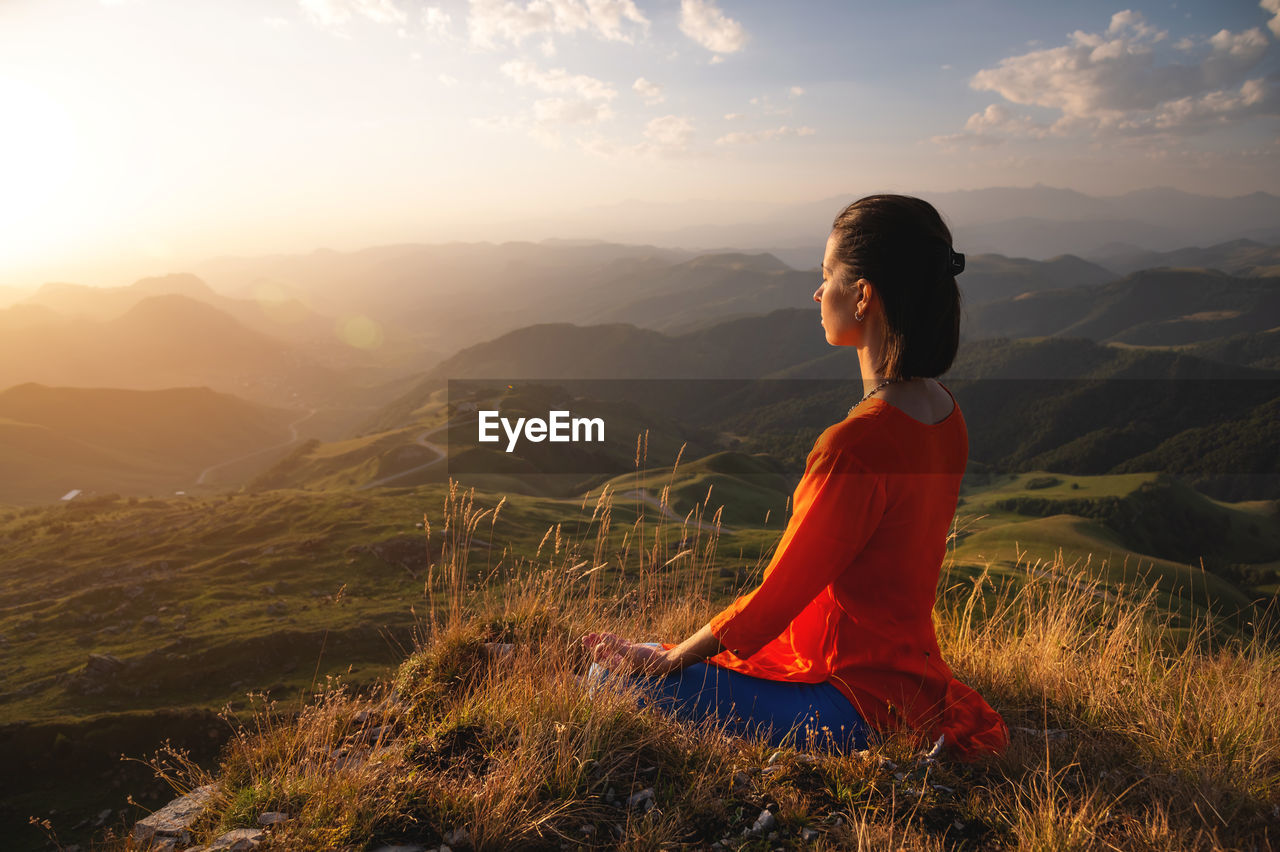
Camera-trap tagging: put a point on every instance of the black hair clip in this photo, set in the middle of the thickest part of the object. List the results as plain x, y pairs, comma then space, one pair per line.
957, 261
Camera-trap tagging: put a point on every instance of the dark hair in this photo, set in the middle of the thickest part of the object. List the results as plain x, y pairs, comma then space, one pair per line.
901, 245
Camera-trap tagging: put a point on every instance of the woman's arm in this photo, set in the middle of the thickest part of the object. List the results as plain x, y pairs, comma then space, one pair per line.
839, 504
617, 652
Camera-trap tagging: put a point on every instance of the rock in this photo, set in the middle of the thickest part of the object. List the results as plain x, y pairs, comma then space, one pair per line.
238, 840
151, 621
741, 783
276, 608
175, 819
775, 757
642, 799
102, 817
808, 835
444, 847
272, 818
401, 848
457, 837
103, 666
766, 822
931, 756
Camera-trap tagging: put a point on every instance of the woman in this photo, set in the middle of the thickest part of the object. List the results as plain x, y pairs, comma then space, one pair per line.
838, 639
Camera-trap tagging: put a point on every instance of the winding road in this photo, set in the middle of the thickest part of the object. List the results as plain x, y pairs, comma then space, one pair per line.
293, 437
422, 440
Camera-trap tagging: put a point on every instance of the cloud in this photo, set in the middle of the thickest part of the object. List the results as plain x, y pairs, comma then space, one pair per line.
765, 105
493, 22
671, 132
992, 126
332, 14
558, 80
1272, 6
447, 79
702, 21
578, 100
665, 136
436, 22
752, 137
650, 92
1111, 83
797, 91
554, 112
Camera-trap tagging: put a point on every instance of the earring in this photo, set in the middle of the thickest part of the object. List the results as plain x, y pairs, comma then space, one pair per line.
858, 316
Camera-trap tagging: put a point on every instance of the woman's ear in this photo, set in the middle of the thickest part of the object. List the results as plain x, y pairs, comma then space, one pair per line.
866, 294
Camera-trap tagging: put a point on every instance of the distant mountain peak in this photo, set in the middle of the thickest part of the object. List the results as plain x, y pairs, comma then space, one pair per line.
183, 283
760, 262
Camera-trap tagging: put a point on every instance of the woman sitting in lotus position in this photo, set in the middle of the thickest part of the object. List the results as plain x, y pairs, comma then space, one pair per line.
837, 642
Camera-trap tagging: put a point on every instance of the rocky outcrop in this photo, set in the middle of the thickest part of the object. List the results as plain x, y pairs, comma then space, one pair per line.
170, 827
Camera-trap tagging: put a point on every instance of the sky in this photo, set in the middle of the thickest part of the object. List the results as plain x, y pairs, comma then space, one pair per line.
142, 136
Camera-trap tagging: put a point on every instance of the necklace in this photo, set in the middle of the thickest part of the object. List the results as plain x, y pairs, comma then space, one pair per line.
885, 383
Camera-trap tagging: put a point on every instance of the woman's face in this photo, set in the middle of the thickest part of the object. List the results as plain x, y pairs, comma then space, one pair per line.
839, 299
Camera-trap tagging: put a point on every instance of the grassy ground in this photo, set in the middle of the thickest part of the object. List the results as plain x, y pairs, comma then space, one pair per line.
1128, 732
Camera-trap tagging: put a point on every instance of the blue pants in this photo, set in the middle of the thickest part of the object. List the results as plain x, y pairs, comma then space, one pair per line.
806, 715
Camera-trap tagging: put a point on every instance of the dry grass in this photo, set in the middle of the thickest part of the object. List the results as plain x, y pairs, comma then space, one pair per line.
1126, 734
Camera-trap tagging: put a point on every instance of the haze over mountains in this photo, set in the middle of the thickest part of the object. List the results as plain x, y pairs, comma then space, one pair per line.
355, 344
1038, 222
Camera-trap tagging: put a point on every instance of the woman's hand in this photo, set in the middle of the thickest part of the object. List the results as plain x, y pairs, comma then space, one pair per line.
614, 652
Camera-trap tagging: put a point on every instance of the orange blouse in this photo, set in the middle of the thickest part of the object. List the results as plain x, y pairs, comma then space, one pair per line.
848, 596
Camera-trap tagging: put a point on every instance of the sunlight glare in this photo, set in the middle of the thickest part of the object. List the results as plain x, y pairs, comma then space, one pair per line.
360, 332
37, 154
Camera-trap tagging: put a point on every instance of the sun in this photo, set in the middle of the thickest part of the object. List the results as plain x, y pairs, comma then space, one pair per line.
37, 159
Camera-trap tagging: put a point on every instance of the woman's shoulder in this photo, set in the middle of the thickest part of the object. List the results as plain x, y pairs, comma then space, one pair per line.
863, 435
877, 438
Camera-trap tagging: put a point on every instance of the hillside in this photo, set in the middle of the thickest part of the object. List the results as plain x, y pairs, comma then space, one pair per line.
160, 341
188, 602
123, 441
174, 340
1152, 307
314, 575
709, 288
771, 384
1243, 257
267, 311
992, 277
1249, 349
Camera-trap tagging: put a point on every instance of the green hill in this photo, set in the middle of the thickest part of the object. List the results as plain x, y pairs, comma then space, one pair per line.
53, 440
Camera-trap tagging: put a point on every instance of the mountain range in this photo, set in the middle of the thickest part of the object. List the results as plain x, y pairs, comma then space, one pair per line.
1037, 221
